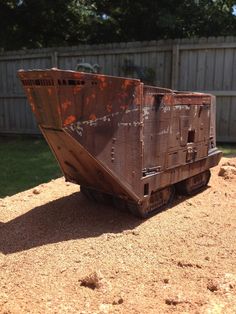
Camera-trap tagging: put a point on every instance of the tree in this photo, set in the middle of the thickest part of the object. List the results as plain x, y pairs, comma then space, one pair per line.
47, 23
43, 23
150, 20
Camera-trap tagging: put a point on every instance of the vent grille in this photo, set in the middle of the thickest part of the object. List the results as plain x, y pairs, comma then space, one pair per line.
50, 82
38, 82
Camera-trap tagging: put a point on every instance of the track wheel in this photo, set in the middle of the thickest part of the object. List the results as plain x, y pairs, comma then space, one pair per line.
194, 184
158, 201
96, 196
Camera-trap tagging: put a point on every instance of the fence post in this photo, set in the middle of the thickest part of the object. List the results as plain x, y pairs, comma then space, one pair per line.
175, 66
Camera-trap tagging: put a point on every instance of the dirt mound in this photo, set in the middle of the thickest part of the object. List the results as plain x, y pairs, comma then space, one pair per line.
60, 253
227, 170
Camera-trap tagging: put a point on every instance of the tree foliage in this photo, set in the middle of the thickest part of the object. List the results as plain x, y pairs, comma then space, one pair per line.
46, 23
43, 23
150, 20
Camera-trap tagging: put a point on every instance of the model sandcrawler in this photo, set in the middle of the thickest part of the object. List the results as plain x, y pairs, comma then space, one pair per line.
122, 140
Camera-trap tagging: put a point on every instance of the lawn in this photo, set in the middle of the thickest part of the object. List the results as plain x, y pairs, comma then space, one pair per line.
25, 162
229, 150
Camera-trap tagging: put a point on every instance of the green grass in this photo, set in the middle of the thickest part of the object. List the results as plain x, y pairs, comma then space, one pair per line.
24, 163
229, 150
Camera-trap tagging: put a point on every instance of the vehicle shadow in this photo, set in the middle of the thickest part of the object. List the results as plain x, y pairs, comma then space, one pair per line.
67, 218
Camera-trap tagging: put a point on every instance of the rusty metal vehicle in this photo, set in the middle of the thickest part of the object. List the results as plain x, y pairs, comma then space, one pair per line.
123, 141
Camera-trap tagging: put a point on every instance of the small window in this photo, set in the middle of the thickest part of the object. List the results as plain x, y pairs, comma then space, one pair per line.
191, 136
146, 189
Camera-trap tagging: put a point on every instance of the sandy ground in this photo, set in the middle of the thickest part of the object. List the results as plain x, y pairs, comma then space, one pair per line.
60, 253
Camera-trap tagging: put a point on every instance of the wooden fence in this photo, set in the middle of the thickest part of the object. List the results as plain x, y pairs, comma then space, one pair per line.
196, 65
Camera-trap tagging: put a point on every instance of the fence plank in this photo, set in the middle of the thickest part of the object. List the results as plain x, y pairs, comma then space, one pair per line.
219, 69
232, 121
210, 72
175, 66
201, 69
183, 70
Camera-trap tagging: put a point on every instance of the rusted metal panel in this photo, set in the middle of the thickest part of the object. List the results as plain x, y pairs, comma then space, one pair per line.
102, 113
81, 167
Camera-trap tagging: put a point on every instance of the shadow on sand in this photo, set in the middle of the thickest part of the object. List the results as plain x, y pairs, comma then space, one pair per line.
67, 218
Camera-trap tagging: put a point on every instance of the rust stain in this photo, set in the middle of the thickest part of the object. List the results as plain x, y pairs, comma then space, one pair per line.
103, 82
32, 106
92, 117
126, 83
168, 99
49, 91
109, 108
102, 79
31, 101
77, 75
70, 119
77, 89
123, 107
65, 105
